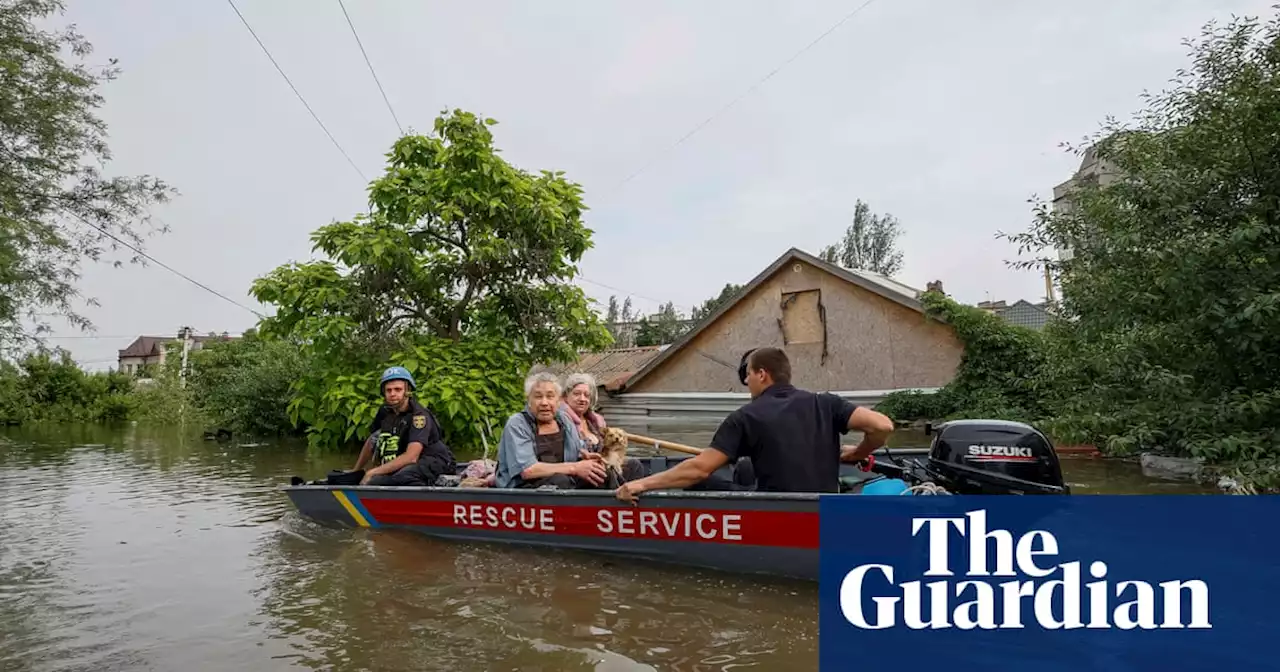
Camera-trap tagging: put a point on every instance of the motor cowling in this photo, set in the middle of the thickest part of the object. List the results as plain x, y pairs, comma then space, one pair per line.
994, 457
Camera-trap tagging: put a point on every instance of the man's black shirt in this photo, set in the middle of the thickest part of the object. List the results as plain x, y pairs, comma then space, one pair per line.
415, 423
792, 437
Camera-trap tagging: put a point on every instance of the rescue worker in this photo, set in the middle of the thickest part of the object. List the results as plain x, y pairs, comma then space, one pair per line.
405, 443
792, 436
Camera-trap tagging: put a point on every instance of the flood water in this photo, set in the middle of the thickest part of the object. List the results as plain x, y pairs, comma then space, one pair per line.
137, 549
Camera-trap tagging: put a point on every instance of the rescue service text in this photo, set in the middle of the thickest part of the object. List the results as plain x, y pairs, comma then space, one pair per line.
671, 524
508, 517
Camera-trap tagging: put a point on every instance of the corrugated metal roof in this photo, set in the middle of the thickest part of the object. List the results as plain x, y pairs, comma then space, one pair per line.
611, 368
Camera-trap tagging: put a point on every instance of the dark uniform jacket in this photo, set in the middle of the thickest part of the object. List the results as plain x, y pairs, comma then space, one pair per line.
393, 431
792, 437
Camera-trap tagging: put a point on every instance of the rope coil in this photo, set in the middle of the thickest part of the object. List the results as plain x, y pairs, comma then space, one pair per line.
926, 489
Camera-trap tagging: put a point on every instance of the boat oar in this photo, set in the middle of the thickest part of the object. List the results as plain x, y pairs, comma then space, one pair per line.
649, 441
681, 448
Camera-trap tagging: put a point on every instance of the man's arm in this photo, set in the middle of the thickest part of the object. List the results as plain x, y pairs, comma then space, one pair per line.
419, 436
366, 454
689, 472
726, 445
875, 427
366, 451
408, 457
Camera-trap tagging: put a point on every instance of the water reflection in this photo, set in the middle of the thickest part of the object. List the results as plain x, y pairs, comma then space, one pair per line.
137, 549
414, 603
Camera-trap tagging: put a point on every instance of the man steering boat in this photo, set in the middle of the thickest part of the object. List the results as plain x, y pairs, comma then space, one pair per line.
792, 436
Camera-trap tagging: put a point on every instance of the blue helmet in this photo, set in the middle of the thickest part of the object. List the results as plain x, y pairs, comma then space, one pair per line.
397, 373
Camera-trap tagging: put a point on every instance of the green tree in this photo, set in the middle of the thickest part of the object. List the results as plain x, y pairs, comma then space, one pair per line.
611, 317
56, 206
870, 243
48, 386
660, 329
1173, 293
461, 272
1001, 374
244, 384
713, 304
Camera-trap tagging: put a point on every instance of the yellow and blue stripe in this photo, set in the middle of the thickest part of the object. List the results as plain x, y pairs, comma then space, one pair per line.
351, 502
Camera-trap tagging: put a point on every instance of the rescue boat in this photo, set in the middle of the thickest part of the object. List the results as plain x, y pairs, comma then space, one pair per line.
740, 531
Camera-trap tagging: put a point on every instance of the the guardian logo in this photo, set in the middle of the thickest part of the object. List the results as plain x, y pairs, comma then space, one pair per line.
1053, 604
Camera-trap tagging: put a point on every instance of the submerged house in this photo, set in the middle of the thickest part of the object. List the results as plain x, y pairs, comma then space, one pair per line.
856, 333
148, 352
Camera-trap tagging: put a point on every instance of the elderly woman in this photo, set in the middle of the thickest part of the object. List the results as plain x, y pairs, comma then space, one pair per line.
541, 446
579, 401
580, 397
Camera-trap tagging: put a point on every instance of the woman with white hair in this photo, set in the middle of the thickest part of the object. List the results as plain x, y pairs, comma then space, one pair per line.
580, 398
541, 446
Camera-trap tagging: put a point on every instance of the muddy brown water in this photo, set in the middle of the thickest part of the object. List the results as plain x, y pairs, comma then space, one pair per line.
137, 549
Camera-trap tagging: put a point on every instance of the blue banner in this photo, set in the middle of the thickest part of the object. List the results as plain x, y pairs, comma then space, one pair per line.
1047, 583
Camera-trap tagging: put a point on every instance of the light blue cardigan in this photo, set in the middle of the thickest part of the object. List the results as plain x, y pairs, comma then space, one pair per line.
517, 450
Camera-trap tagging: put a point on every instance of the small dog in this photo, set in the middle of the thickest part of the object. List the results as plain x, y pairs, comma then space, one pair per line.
613, 448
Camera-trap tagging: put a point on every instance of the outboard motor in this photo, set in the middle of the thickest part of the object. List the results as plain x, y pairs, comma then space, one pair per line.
992, 457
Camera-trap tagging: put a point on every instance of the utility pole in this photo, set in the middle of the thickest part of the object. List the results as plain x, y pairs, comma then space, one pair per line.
184, 334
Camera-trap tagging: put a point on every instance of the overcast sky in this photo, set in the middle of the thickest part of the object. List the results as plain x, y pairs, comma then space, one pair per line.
948, 115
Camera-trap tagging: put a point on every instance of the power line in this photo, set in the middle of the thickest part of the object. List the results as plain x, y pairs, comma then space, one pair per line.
96, 337
355, 34
165, 266
149, 257
639, 296
370, 64
706, 122
93, 337
296, 92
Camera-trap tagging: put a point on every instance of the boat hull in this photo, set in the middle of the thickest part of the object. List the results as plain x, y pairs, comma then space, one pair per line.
740, 532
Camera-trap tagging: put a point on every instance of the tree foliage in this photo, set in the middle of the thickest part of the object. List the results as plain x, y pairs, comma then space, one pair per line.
1174, 287
470, 386
463, 264
244, 384
662, 328
714, 303
1169, 329
612, 313
870, 243
56, 206
459, 242
1001, 373
49, 387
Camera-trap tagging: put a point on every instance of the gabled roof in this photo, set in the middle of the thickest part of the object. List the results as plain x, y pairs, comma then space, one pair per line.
1025, 314
873, 282
145, 346
150, 346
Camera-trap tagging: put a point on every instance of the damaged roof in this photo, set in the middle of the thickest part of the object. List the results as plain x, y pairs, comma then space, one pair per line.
873, 282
